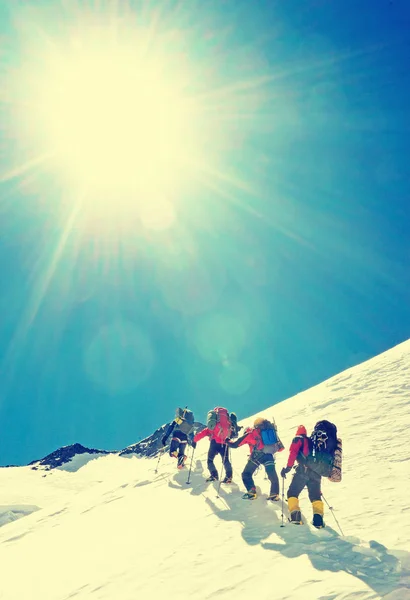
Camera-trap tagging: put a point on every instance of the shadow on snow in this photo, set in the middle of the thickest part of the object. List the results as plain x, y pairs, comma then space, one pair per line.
372, 563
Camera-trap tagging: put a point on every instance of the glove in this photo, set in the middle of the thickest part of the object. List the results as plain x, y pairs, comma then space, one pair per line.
164, 441
193, 444
284, 471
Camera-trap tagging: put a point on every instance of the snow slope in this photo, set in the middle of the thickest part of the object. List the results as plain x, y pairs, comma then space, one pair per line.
115, 529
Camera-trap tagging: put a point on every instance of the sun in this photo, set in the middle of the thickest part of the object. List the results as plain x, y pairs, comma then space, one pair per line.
112, 117
125, 113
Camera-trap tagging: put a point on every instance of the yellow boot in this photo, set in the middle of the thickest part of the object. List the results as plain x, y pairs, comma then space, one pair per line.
318, 511
294, 510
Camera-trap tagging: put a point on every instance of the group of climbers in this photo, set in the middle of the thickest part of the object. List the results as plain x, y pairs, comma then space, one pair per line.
220, 426
318, 455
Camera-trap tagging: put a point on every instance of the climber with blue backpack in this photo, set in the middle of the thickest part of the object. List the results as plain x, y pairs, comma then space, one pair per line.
263, 442
182, 429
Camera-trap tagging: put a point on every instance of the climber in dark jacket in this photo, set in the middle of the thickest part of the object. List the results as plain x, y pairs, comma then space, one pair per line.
182, 430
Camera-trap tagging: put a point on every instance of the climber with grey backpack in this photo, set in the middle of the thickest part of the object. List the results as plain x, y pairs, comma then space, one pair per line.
182, 429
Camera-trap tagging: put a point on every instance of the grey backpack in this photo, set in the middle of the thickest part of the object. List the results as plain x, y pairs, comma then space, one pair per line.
184, 419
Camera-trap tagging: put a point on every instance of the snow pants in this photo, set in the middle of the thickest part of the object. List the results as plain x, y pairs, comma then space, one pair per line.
214, 449
255, 460
178, 444
305, 477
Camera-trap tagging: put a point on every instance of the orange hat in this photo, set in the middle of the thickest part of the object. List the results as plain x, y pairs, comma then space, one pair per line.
258, 421
301, 430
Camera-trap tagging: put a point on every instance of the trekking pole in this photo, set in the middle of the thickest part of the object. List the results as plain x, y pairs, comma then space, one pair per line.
283, 500
161, 452
223, 465
190, 467
334, 516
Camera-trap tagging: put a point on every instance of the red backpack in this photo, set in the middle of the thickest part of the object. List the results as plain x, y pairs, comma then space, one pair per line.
219, 423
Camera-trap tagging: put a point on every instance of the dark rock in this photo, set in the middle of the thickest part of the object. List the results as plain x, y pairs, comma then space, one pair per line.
64, 455
152, 444
149, 447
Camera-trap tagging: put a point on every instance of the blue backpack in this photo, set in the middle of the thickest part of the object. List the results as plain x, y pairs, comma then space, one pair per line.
270, 439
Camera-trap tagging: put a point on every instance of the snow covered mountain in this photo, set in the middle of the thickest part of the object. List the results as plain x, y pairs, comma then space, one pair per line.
67, 454
75, 456
125, 529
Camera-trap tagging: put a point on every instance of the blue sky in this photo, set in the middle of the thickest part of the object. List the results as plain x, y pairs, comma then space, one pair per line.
286, 267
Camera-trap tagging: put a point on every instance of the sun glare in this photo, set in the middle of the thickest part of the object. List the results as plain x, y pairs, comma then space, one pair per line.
111, 116
123, 112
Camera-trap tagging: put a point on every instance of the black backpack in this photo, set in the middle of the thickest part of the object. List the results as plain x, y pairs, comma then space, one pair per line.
323, 443
235, 428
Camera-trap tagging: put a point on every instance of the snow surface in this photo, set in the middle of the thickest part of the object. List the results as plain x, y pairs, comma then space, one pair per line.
114, 529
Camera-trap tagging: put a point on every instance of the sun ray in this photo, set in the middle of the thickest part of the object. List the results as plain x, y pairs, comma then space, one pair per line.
76, 97
41, 286
249, 209
29, 165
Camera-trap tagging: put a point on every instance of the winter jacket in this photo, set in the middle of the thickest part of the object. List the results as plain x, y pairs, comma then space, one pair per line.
251, 437
299, 447
210, 433
201, 434
168, 431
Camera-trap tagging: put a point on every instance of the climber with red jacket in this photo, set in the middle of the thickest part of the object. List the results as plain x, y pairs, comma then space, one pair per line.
216, 446
220, 426
318, 455
263, 442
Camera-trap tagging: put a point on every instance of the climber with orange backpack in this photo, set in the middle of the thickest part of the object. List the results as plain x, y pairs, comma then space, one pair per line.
263, 442
319, 455
220, 426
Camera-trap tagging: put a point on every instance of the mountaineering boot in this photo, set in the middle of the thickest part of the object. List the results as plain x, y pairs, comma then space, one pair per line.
318, 521
318, 510
181, 461
174, 454
296, 517
212, 477
250, 494
227, 480
274, 498
294, 510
